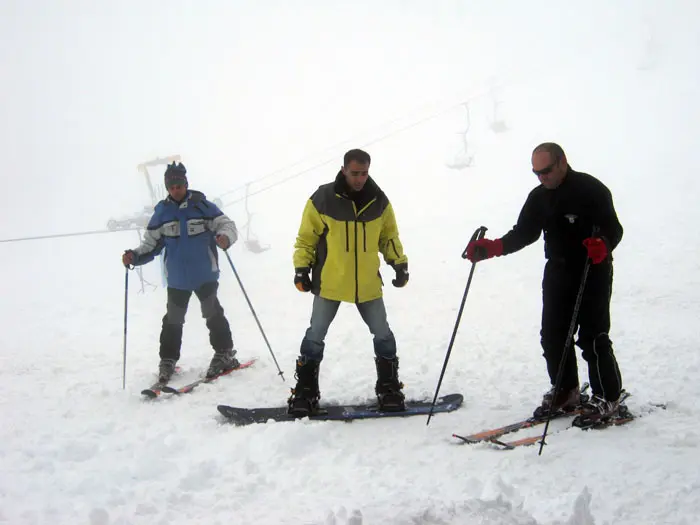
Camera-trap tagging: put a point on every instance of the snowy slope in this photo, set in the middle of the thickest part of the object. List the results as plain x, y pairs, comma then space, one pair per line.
76, 448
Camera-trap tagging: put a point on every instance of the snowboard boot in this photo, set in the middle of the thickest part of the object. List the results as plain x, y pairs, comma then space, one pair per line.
305, 395
599, 410
388, 388
223, 361
166, 369
566, 401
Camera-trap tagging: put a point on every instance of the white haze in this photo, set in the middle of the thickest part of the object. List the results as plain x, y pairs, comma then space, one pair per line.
243, 90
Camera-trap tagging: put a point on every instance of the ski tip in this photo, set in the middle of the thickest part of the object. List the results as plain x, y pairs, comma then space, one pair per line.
246, 364
149, 393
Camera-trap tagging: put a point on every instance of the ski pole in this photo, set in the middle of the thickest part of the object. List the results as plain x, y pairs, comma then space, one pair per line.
569, 337
252, 310
478, 234
126, 303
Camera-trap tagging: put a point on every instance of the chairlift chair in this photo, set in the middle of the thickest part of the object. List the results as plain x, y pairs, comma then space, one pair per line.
463, 159
251, 241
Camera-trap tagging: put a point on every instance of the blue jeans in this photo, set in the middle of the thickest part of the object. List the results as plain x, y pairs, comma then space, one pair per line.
373, 314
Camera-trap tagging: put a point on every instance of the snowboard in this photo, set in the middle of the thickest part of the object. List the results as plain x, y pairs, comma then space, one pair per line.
247, 416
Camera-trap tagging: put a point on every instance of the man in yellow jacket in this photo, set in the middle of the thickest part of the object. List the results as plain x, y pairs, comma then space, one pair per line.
344, 227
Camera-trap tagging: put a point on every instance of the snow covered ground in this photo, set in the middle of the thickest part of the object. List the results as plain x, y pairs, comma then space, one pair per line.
76, 448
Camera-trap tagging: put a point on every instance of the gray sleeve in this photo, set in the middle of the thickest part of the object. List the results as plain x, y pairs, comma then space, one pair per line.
151, 242
222, 225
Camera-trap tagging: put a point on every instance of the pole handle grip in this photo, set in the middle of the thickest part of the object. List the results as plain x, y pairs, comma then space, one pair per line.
478, 234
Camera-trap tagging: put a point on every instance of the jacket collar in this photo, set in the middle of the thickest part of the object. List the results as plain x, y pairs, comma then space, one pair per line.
183, 202
368, 192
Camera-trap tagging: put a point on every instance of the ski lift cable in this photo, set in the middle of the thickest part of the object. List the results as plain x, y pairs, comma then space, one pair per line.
306, 159
320, 164
57, 235
450, 107
329, 160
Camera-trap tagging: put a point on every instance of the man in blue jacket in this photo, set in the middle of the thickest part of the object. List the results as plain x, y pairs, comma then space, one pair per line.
189, 228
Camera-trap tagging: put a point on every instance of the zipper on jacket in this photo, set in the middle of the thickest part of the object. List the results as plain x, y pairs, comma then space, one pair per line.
347, 236
357, 283
357, 213
364, 236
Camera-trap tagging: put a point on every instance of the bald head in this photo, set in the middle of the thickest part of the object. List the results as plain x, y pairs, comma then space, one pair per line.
555, 150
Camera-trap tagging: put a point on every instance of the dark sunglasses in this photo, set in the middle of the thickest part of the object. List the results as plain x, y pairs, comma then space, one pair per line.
545, 171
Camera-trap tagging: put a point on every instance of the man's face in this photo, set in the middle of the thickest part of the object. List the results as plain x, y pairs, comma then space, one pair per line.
356, 174
177, 191
550, 172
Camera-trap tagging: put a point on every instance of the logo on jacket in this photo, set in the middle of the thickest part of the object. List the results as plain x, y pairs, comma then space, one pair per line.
571, 217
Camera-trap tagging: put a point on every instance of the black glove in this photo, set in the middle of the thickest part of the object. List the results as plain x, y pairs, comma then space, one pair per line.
401, 275
302, 280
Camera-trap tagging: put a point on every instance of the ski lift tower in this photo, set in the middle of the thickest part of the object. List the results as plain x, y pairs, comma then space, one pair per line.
157, 192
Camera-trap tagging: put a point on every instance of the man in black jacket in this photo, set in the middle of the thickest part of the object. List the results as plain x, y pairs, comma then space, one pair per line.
576, 213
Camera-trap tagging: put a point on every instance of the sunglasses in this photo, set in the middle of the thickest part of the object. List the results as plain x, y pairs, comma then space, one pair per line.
545, 171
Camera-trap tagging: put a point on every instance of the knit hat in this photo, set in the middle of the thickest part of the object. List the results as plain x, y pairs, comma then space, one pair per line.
175, 174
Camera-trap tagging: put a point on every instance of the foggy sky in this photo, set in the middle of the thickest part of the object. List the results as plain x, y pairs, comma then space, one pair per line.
242, 88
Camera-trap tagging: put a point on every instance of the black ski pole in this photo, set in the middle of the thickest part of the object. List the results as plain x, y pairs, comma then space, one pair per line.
126, 304
252, 310
478, 234
569, 338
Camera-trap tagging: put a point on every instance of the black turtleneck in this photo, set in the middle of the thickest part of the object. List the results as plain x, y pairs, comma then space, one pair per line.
360, 198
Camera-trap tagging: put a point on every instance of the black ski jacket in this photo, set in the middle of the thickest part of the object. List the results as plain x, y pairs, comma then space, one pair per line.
567, 216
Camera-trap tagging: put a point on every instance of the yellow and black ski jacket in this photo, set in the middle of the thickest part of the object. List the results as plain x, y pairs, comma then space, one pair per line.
340, 237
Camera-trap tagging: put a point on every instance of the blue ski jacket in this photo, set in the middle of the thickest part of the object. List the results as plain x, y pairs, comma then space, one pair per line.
186, 233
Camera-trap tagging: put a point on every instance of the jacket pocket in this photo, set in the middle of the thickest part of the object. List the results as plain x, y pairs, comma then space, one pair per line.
171, 229
196, 227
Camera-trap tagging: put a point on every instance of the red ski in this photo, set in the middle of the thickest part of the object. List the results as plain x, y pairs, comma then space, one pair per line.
188, 388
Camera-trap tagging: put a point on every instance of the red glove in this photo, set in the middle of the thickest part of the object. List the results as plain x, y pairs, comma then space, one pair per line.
484, 249
597, 249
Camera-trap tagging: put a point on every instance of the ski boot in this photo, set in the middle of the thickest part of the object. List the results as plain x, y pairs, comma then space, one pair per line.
390, 398
305, 395
567, 400
599, 410
223, 361
166, 369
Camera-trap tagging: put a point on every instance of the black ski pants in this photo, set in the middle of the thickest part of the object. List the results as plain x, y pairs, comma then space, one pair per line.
560, 287
174, 319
